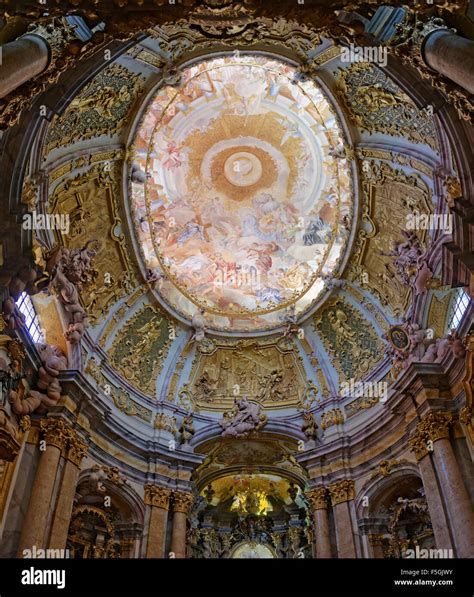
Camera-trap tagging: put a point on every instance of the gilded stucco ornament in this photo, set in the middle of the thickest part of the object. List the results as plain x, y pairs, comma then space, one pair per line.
262, 369
91, 201
332, 417
101, 108
341, 491
166, 422
318, 498
376, 104
157, 496
388, 193
140, 347
350, 339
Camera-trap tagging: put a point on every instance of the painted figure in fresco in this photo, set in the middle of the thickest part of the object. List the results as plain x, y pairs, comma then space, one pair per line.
173, 156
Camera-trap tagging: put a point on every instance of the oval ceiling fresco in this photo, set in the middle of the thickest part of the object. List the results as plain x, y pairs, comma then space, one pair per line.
244, 210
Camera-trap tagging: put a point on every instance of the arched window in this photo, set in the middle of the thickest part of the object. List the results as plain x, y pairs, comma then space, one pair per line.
32, 323
459, 306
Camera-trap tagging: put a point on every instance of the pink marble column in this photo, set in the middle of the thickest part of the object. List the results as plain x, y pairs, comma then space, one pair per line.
342, 493
182, 502
456, 498
435, 504
434, 430
63, 511
34, 531
22, 60
318, 499
451, 55
158, 498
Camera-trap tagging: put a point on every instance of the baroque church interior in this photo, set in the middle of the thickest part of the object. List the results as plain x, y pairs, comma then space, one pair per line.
236, 274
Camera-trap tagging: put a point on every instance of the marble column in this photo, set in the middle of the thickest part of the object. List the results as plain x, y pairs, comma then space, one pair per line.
318, 499
419, 445
182, 502
450, 55
158, 498
22, 60
342, 494
435, 429
55, 434
63, 511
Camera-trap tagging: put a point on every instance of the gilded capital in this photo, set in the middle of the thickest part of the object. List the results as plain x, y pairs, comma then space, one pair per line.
182, 501
342, 491
56, 432
77, 449
375, 539
435, 425
158, 496
418, 444
318, 498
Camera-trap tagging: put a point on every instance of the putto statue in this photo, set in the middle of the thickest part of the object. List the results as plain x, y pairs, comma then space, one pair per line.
410, 262
243, 419
441, 347
70, 270
54, 361
186, 430
309, 426
409, 343
199, 324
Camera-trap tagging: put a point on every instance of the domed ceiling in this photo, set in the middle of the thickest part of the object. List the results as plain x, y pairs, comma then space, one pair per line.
258, 190
244, 210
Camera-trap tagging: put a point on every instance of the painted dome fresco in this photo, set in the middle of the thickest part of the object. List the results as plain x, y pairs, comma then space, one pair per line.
245, 209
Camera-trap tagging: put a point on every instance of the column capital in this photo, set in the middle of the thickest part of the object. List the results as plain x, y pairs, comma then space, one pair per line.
375, 539
342, 491
55, 431
57, 33
77, 448
158, 496
182, 501
435, 425
413, 32
318, 498
418, 445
